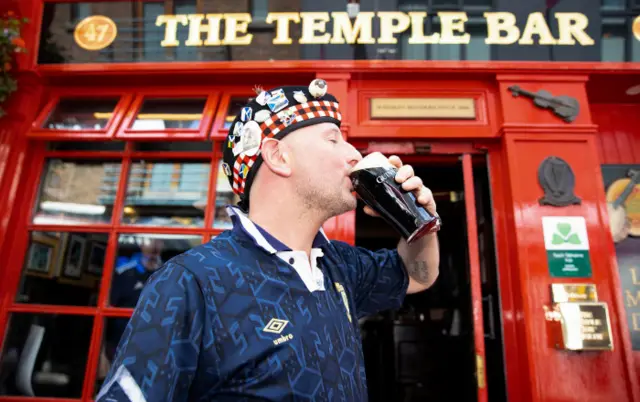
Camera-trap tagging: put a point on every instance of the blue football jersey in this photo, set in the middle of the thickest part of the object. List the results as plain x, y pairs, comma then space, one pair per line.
241, 318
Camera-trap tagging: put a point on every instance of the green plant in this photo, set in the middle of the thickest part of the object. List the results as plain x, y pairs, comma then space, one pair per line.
11, 42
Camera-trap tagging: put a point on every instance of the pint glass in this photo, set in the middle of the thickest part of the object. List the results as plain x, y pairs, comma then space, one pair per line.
374, 181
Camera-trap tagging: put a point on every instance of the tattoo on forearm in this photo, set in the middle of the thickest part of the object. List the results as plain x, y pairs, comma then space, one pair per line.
419, 271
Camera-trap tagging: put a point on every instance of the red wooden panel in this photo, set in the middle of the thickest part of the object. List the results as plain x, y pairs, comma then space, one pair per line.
364, 126
618, 132
611, 373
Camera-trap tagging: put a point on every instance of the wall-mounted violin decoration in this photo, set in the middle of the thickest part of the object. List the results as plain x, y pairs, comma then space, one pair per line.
563, 106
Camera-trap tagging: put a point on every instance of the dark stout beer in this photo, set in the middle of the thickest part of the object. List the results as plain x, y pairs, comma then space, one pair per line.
374, 181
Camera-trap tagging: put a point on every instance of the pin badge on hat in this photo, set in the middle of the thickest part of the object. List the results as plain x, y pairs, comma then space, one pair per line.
262, 98
246, 113
277, 100
226, 169
244, 169
250, 140
299, 96
287, 117
318, 88
262, 115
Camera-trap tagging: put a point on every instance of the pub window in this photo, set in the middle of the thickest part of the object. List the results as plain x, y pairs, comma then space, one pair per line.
259, 10
409, 51
635, 50
81, 114
60, 354
477, 49
151, 35
80, 11
614, 38
185, 52
160, 114
185, 116
614, 4
77, 192
166, 194
63, 268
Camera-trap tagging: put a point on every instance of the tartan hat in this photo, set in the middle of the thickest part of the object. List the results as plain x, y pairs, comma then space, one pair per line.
272, 114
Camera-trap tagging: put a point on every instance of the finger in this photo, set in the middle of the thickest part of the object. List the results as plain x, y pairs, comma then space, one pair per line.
395, 161
404, 173
412, 183
369, 211
425, 198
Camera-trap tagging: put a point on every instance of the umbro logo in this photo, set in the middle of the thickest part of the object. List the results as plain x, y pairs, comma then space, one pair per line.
276, 326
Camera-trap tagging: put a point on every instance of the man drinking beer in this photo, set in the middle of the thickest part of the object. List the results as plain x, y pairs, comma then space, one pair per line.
269, 309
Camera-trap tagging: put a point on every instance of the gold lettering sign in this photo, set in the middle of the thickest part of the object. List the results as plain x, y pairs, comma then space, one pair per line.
95, 32
572, 292
423, 108
315, 28
585, 326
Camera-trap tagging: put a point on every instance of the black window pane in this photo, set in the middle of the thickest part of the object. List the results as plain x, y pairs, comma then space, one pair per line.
86, 146
138, 256
60, 345
160, 114
482, 3
81, 114
63, 268
175, 146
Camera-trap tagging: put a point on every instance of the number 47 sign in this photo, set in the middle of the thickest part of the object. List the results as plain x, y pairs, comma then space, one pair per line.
567, 246
95, 32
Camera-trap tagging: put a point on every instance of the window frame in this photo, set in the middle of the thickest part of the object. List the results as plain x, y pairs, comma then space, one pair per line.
208, 114
57, 94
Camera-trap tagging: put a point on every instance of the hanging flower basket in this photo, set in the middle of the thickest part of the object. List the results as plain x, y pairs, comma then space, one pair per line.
11, 42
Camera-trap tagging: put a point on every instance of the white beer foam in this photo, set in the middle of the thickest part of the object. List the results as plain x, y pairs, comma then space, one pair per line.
373, 160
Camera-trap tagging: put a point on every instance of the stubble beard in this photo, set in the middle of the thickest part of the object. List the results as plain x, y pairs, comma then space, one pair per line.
326, 203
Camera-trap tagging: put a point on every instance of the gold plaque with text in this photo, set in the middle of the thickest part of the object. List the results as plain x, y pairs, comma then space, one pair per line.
423, 108
573, 292
585, 326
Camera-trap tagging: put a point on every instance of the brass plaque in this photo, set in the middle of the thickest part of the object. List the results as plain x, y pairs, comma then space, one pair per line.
423, 108
585, 326
573, 292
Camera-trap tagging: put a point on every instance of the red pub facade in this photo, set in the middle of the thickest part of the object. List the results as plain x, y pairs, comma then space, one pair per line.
524, 119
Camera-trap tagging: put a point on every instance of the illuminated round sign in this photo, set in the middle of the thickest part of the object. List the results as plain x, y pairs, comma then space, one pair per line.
636, 27
95, 32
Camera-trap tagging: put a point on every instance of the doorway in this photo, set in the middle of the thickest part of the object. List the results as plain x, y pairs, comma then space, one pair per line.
428, 349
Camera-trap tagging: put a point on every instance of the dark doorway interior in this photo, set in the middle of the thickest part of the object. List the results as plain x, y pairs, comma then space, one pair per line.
425, 351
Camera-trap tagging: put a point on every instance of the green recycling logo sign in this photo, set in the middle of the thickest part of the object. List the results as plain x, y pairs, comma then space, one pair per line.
567, 245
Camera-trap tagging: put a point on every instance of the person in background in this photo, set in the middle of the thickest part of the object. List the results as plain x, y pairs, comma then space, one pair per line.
129, 277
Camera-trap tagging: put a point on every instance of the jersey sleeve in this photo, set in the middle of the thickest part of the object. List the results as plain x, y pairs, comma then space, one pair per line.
379, 280
158, 353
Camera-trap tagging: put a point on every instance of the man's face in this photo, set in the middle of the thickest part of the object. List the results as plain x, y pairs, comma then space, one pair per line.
321, 163
151, 254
